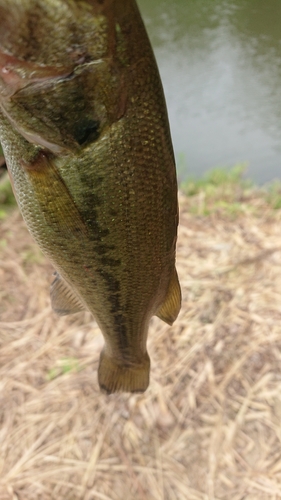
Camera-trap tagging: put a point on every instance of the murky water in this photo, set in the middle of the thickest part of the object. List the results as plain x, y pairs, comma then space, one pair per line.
220, 63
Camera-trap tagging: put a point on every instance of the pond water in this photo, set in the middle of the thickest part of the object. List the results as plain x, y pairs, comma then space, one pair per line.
220, 62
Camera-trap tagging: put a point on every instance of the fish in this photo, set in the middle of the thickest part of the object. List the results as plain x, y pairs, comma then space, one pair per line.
86, 139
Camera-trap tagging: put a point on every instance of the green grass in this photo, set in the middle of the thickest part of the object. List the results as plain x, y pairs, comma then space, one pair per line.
218, 177
65, 365
273, 194
220, 189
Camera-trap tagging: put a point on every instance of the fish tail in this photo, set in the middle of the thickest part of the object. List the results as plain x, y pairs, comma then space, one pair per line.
115, 376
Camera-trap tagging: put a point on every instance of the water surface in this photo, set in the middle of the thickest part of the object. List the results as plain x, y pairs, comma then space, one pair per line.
220, 63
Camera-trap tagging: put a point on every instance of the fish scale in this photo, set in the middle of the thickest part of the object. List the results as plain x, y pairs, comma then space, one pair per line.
87, 144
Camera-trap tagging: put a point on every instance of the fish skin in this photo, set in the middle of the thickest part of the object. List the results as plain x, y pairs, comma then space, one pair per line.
85, 134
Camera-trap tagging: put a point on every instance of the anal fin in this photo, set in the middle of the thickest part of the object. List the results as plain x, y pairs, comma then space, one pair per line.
64, 301
170, 308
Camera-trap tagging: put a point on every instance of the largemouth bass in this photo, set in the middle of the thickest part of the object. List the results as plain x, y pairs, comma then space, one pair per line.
85, 134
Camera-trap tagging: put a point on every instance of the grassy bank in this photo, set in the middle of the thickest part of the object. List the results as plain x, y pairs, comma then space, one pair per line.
209, 425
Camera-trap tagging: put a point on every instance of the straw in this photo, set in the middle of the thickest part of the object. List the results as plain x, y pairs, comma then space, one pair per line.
208, 427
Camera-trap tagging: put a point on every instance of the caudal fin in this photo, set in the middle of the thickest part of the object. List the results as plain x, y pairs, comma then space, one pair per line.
116, 377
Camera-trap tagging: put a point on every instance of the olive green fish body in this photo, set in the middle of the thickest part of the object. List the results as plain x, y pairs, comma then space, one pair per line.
86, 138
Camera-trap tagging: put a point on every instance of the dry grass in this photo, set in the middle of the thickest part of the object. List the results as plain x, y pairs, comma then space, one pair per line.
209, 425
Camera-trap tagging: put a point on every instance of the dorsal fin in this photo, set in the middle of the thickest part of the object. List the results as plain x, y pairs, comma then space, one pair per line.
64, 301
170, 308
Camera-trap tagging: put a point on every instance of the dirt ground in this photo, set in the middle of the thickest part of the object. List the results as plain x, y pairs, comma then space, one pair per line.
208, 427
